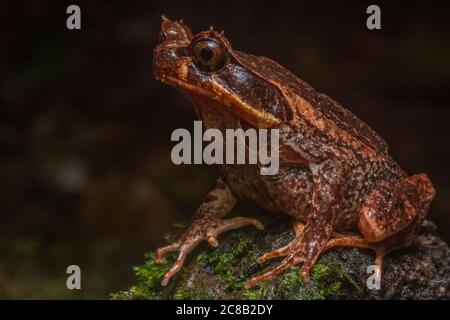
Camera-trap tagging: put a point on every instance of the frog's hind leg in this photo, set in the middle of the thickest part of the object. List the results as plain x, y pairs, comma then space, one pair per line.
389, 220
400, 240
390, 217
392, 206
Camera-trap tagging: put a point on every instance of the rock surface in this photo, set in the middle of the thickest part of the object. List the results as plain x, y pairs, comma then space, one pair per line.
421, 271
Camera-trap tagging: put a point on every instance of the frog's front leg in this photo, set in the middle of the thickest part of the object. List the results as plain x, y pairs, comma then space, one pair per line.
208, 226
307, 246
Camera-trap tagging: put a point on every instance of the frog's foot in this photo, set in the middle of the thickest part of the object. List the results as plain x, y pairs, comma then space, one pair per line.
206, 228
283, 251
291, 253
400, 240
294, 254
291, 260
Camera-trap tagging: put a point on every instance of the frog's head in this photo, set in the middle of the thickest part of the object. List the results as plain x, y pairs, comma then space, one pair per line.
205, 65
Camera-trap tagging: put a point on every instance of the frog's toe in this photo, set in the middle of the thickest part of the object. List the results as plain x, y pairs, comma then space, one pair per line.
237, 222
284, 251
281, 252
160, 252
221, 226
184, 247
287, 263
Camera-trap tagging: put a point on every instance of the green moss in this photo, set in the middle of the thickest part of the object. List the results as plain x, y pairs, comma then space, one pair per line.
181, 224
353, 283
149, 276
224, 261
170, 237
222, 273
181, 294
327, 281
258, 293
330, 279
201, 256
202, 294
289, 279
122, 295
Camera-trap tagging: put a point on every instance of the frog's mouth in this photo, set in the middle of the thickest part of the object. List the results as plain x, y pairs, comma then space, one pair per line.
256, 118
223, 119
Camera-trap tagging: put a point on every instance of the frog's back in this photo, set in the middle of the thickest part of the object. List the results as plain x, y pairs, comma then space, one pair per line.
328, 108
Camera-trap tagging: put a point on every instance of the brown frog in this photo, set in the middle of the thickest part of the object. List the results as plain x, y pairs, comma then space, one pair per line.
335, 174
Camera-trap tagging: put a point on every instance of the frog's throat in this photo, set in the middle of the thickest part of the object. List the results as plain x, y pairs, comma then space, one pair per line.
257, 118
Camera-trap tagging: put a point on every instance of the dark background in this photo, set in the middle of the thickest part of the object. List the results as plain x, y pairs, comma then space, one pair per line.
85, 169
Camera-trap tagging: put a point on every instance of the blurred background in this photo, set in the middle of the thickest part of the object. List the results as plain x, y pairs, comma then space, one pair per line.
85, 169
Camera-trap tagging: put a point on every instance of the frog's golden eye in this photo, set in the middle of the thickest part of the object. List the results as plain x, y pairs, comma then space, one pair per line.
208, 54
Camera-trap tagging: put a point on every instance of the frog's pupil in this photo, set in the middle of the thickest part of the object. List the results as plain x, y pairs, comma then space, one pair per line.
206, 53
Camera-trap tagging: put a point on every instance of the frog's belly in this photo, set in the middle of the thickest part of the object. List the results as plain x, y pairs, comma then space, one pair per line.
289, 191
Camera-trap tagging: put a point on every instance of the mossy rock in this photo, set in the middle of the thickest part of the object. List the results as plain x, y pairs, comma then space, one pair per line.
421, 271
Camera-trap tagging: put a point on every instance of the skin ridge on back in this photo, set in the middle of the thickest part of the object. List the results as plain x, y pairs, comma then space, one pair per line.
329, 108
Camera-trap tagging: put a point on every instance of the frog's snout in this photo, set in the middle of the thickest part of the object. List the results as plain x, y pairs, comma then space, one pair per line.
174, 37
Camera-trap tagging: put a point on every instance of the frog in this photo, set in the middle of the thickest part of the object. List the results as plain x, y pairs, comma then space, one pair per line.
337, 180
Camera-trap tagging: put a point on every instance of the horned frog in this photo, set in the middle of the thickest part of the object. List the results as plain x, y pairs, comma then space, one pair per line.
335, 172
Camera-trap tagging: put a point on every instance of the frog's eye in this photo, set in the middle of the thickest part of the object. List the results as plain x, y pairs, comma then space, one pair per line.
208, 54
